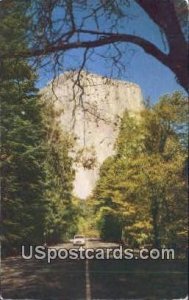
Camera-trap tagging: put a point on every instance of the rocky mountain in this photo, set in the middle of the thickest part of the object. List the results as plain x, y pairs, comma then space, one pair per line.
91, 107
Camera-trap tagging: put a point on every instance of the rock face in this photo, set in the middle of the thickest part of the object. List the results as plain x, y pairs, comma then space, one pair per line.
92, 108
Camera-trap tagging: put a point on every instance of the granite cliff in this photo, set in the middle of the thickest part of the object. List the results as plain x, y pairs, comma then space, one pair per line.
92, 107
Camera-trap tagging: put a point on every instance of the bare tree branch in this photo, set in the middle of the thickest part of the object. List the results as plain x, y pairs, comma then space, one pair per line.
79, 26
102, 41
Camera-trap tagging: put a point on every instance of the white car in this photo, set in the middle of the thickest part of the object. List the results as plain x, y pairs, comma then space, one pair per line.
79, 240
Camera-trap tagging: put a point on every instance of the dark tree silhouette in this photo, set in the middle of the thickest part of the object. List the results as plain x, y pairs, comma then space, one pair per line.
53, 35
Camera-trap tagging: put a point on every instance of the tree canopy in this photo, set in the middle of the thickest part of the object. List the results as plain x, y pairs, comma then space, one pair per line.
36, 170
59, 26
142, 188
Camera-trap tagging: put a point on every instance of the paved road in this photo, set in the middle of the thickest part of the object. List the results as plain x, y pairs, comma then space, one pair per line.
93, 279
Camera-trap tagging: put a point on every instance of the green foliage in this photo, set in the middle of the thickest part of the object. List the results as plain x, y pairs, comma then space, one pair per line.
109, 225
85, 221
22, 151
143, 184
61, 215
36, 170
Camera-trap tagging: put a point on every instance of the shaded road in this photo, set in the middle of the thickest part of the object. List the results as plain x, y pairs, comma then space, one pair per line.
93, 279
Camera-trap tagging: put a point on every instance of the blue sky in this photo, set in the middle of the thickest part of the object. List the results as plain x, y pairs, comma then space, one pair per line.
154, 78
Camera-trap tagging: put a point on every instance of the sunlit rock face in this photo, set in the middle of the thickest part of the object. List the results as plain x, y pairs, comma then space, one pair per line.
92, 107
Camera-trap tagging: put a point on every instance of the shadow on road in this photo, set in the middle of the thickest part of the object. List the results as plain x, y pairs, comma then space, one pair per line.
109, 279
138, 280
37, 279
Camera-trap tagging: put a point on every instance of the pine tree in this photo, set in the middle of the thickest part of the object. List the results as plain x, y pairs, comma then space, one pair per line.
61, 214
36, 169
22, 136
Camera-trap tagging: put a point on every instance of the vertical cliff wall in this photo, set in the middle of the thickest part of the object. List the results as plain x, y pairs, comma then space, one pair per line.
91, 108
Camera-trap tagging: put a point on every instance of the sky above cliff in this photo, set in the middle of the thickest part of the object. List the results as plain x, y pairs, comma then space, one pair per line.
154, 78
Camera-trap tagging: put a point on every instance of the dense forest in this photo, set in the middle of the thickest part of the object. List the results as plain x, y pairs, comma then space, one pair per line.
36, 170
141, 194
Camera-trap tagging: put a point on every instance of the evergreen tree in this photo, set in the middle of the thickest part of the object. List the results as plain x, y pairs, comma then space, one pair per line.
61, 216
22, 151
36, 170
